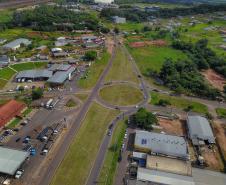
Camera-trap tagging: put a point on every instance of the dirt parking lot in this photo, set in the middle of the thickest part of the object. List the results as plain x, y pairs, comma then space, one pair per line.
175, 127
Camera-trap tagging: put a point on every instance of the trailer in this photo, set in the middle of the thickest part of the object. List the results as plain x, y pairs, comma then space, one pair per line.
53, 104
48, 104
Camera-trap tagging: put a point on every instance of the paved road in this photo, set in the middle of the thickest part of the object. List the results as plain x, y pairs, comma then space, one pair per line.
20, 3
46, 179
93, 177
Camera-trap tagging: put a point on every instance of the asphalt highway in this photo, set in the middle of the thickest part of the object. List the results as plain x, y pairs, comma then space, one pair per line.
95, 171
46, 179
20, 3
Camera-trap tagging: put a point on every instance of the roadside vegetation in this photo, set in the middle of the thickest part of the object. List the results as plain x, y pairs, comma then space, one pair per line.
79, 159
82, 96
221, 112
71, 103
109, 167
178, 102
121, 95
93, 73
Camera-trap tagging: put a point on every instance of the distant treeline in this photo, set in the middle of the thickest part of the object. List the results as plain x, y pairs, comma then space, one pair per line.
184, 76
137, 15
52, 18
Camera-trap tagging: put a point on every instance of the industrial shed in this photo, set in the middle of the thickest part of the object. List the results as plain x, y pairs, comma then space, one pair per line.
199, 130
11, 160
16, 44
161, 144
146, 177
61, 76
34, 75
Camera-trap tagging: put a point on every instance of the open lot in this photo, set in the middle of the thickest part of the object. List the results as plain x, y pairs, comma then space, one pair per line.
173, 127
121, 69
179, 102
78, 161
121, 95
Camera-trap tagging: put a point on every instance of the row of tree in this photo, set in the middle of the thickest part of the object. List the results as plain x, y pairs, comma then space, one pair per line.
137, 15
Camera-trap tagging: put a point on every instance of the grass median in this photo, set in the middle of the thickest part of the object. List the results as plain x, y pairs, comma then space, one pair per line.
122, 69
122, 95
78, 161
179, 102
221, 112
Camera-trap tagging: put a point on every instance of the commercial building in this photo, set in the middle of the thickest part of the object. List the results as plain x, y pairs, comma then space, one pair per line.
161, 144
4, 61
147, 177
16, 44
199, 130
10, 110
34, 75
118, 20
11, 160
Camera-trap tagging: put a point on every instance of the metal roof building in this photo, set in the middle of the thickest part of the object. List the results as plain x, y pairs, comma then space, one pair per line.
144, 176
17, 43
199, 130
61, 76
161, 144
34, 74
11, 160
59, 67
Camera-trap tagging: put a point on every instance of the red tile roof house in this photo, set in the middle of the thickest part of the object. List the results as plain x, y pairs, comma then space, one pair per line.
9, 111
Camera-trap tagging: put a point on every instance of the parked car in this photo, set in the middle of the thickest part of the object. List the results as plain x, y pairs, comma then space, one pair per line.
18, 139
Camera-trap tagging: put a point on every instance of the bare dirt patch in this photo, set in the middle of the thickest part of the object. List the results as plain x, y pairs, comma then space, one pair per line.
220, 133
214, 79
158, 43
175, 127
109, 44
212, 158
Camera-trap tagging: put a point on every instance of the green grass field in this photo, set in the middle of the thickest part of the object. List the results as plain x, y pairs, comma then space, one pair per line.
79, 159
121, 69
179, 102
7, 73
108, 170
94, 72
121, 95
71, 103
221, 112
153, 57
6, 15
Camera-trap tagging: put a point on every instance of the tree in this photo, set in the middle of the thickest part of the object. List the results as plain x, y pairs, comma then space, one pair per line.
163, 102
90, 55
37, 93
116, 30
144, 119
225, 89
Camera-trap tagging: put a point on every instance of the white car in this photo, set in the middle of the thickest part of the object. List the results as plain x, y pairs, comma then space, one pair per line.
125, 136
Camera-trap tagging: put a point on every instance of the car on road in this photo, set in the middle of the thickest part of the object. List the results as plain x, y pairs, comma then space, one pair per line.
125, 136
109, 133
19, 173
123, 146
136, 106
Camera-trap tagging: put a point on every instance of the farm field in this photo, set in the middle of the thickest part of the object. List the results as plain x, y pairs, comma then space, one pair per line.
179, 102
78, 161
108, 170
152, 57
122, 95
121, 69
94, 72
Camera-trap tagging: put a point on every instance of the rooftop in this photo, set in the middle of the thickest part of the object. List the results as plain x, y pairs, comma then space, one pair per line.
162, 144
17, 42
59, 67
40, 73
199, 129
159, 177
169, 165
11, 160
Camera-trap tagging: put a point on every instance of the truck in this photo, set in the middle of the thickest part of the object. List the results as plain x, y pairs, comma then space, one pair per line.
48, 104
53, 103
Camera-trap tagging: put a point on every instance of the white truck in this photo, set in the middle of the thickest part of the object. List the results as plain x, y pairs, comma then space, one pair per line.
48, 104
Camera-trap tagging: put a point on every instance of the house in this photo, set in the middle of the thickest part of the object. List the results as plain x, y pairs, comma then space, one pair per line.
16, 44
199, 130
118, 20
4, 61
161, 144
9, 111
